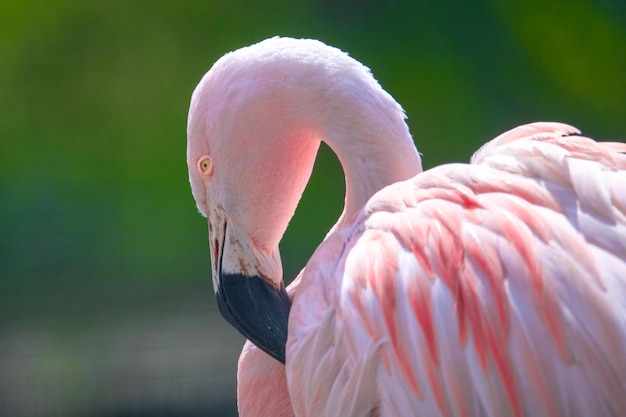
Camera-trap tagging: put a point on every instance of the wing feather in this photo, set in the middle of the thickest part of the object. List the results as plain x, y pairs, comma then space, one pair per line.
493, 289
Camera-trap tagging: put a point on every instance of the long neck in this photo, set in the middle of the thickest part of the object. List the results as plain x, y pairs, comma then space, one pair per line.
373, 145
291, 95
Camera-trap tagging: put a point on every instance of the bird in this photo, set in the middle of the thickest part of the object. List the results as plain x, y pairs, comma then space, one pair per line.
490, 288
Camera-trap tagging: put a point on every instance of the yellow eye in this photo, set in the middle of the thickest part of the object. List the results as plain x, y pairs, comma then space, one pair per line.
206, 165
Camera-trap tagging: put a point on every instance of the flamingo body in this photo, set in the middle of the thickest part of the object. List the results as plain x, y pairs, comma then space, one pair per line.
495, 288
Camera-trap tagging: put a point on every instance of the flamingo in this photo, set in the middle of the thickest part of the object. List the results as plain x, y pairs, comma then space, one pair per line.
494, 288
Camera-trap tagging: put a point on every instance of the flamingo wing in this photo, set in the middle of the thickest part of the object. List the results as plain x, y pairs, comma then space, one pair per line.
491, 289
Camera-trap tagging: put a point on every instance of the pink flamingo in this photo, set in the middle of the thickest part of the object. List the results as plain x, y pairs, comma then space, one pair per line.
495, 288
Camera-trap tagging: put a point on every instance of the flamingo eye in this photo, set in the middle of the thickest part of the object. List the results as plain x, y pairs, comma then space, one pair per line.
206, 165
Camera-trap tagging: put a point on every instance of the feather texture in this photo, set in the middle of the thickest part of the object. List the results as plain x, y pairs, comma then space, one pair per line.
491, 289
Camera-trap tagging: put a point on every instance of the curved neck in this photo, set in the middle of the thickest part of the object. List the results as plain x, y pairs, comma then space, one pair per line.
269, 105
374, 147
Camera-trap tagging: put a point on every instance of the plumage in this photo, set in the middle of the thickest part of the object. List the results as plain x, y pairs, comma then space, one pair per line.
496, 276
495, 288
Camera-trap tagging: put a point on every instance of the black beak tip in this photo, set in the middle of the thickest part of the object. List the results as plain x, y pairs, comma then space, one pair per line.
257, 309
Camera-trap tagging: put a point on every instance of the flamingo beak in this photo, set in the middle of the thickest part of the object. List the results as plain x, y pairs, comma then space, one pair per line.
249, 300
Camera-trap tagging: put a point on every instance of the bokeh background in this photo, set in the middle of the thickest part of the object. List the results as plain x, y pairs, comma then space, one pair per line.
106, 305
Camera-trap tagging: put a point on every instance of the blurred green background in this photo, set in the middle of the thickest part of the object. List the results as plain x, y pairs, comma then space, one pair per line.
106, 305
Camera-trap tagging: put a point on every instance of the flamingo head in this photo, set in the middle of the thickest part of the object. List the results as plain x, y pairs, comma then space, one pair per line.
255, 123
250, 153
